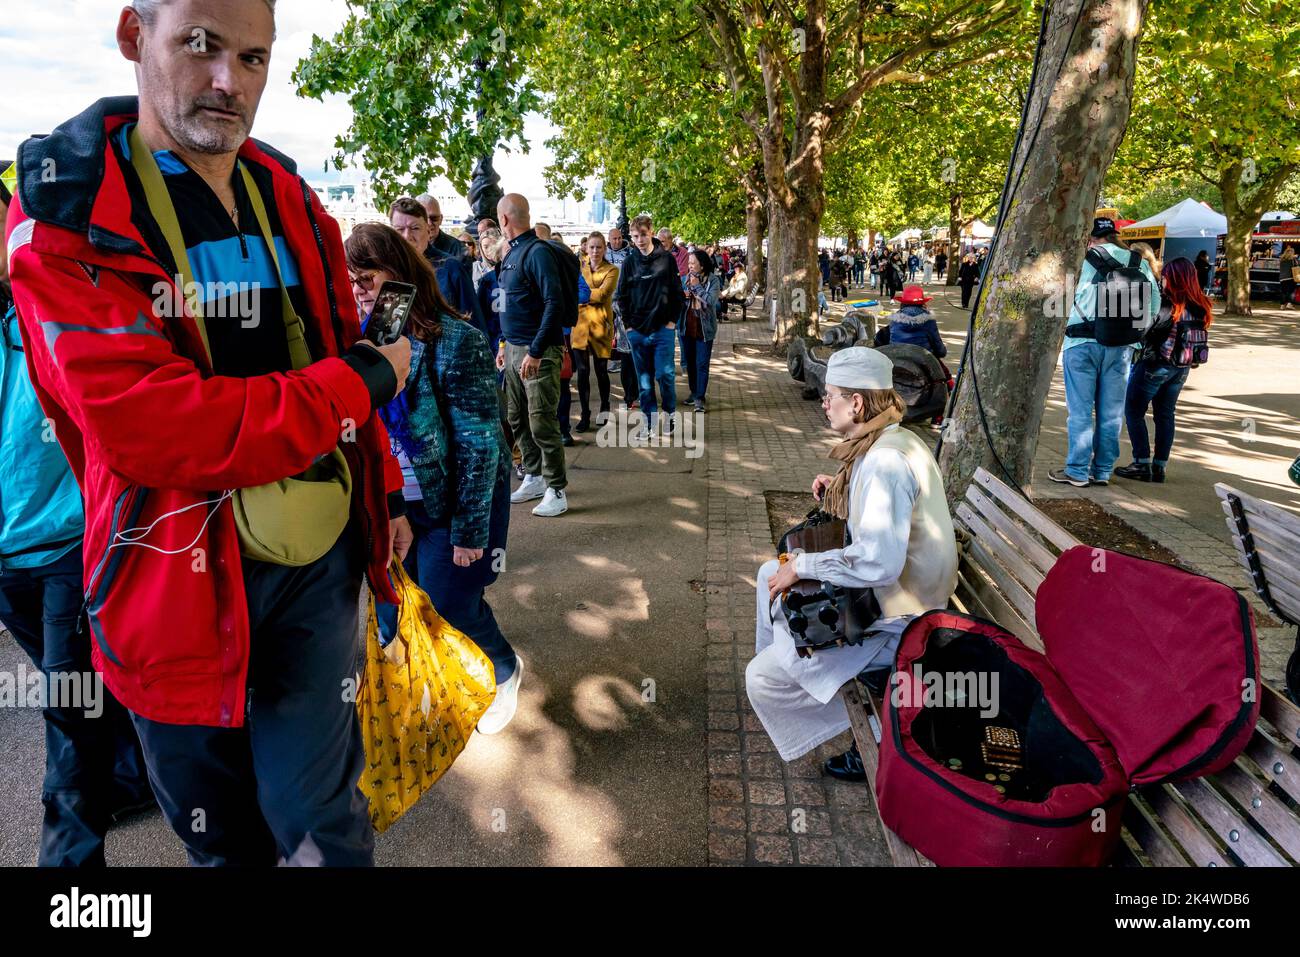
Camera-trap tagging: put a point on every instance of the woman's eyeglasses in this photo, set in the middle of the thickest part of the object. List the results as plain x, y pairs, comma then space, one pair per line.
365, 281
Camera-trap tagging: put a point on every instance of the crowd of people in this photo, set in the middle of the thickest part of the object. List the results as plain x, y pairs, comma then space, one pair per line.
235, 455
886, 270
229, 468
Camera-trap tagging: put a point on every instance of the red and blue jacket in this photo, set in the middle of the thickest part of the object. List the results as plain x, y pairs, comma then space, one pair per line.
149, 430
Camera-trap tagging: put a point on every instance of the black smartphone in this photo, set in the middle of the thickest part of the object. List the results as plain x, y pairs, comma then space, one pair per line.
388, 317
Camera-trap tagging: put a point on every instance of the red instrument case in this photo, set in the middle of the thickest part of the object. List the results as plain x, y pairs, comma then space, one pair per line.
1150, 674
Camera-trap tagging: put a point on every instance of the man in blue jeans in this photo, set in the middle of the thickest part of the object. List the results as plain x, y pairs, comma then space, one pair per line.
1096, 376
649, 297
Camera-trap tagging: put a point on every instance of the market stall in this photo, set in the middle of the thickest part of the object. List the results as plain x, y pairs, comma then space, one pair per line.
1183, 229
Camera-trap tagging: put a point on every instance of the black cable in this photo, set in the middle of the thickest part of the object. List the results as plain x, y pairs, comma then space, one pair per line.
1008, 189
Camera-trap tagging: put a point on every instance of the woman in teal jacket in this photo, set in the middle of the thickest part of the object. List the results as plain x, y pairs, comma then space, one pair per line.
699, 323
94, 770
446, 430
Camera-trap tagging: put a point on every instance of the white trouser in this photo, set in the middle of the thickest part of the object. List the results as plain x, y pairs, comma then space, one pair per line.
795, 698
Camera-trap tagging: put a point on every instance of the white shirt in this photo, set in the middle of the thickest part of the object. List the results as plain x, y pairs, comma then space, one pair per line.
882, 490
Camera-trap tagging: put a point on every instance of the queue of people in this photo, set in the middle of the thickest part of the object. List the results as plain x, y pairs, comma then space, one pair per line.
324, 457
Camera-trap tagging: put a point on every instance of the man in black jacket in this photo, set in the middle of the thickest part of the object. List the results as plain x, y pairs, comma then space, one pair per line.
649, 296
440, 240
535, 306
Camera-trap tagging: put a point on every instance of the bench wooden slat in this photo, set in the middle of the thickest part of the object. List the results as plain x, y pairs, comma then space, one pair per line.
1273, 817
1275, 764
1253, 850
1284, 592
1142, 826
1199, 846
1283, 579
1011, 589
855, 700
1281, 713
1275, 513
997, 608
1004, 551
1006, 495
1264, 529
965, 598
1042, 559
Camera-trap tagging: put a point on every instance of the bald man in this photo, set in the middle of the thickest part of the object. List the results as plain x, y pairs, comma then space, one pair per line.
535, 310
441, 243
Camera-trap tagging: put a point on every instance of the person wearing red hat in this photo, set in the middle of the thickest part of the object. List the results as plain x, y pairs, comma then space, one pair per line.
914, 324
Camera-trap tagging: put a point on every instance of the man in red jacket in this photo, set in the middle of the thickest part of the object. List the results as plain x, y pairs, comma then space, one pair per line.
237, 671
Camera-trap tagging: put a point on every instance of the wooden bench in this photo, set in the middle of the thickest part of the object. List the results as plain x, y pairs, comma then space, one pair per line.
1245, 815
1268, 543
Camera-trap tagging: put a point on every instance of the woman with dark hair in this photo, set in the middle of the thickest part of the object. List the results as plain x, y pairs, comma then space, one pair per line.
1154, 380
447, 435
699, 323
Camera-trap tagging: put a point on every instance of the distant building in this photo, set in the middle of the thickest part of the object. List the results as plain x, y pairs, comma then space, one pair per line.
599, 205
351, 201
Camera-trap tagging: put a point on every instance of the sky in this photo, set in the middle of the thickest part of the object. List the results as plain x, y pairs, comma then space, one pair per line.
59, 56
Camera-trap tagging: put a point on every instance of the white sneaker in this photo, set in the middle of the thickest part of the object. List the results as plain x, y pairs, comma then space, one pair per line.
503, 706
534, 486
555, 503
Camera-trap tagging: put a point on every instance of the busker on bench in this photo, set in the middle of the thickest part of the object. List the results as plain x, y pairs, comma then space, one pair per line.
889, 491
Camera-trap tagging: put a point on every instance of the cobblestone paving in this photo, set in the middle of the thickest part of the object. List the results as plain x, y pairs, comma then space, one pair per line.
761, 436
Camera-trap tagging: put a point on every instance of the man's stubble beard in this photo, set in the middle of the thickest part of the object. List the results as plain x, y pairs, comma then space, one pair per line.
183, 122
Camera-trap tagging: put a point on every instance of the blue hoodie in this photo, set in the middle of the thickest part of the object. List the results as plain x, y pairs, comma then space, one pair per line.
915, 326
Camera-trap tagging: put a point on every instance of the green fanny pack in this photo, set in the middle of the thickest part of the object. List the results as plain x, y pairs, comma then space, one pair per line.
296, 520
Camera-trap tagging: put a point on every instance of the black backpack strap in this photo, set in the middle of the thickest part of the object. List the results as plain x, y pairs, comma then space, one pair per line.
1134, 259
1104, 262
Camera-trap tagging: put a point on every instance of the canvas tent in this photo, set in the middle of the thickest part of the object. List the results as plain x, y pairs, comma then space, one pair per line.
1184, 229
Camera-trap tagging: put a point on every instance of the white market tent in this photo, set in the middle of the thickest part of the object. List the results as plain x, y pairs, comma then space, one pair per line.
1183, 229
905, 235
1186, 220
980, 230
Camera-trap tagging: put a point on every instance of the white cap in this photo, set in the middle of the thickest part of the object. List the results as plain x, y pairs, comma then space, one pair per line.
860, 367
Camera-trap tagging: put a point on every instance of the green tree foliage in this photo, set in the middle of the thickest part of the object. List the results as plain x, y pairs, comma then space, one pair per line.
1218, 100
640, 108
421, 108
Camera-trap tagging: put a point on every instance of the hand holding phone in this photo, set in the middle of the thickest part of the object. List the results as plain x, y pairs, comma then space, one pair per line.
392, 308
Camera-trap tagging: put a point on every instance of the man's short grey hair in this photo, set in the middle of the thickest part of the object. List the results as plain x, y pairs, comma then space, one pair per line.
147, 10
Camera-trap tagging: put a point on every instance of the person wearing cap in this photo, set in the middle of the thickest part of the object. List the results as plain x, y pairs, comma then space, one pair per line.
901, 545
1096, 376
913, 324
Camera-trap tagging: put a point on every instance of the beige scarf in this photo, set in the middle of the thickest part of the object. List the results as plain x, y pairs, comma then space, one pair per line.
836, 498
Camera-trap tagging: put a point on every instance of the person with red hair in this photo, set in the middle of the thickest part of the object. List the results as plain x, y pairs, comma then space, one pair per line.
1156, 379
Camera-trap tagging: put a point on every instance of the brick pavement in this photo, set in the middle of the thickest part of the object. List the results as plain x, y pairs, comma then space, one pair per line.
761, 436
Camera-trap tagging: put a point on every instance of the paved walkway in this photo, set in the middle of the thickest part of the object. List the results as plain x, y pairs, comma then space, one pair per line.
635, 743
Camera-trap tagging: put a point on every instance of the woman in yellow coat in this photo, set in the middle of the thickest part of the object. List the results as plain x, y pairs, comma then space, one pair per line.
593, 336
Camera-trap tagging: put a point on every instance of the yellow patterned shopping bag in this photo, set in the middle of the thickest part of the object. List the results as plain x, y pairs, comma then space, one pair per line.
419, 702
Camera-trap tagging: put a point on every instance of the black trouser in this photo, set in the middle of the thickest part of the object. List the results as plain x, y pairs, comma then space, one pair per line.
965, 294
1286, 291
582, 360
284, 786
93, 765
